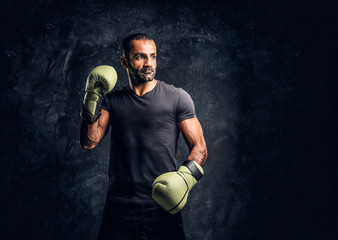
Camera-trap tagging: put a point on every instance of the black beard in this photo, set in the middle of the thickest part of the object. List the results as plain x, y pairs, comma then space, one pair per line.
139, 76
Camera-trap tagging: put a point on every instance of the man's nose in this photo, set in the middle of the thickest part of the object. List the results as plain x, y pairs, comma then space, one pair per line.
147, 62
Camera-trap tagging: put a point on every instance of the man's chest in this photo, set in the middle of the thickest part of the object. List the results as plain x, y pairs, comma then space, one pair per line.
148, 112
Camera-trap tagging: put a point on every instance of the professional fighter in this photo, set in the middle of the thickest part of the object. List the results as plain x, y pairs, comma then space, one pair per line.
146, 192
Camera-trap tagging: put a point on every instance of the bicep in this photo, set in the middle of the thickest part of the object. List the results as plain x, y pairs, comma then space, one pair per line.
192, 132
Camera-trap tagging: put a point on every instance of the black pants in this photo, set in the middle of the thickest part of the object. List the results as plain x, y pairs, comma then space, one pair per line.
124, 221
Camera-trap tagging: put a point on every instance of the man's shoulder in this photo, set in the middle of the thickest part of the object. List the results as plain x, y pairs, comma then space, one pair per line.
173, 89
169, 87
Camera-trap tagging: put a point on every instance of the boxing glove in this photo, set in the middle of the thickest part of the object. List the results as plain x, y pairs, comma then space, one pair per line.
100, 81
171, 189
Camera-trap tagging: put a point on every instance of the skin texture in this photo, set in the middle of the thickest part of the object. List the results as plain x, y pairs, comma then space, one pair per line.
141, 68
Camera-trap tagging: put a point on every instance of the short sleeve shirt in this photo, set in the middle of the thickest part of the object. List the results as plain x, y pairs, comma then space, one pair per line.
144, 134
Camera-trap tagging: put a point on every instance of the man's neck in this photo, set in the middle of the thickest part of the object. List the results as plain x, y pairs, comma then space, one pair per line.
142, 88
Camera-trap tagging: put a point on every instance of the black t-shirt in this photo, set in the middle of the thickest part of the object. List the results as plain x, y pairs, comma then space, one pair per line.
144, 135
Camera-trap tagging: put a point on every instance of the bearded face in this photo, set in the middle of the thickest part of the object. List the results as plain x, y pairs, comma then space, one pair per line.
145, 74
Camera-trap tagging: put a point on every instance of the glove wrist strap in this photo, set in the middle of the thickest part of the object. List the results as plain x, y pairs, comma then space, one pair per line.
84, 114
195, 172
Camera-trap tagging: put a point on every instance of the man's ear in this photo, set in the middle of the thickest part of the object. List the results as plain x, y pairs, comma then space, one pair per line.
124, 62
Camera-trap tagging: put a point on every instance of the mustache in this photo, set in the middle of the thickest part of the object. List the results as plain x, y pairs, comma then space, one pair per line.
146, 69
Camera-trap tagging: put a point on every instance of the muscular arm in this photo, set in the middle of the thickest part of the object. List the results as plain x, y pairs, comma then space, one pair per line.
92, 133
193, 135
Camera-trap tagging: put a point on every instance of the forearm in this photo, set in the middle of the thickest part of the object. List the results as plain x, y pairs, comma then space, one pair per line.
198, 153
89, 134
92, 133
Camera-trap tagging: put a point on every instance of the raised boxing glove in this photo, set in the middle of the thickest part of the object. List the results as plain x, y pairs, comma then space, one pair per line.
171, 189
100, 81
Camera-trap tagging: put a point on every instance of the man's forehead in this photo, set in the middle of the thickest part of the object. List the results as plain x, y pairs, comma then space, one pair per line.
142, 46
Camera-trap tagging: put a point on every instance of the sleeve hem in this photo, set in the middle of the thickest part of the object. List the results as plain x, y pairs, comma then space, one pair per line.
105, 108
186, 117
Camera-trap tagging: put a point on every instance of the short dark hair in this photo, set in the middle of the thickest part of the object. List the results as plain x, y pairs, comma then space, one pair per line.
136, 36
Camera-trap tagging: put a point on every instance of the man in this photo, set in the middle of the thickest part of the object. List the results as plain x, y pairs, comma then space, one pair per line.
145, 119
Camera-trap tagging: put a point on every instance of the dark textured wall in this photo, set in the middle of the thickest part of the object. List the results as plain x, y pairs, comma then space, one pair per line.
262, 76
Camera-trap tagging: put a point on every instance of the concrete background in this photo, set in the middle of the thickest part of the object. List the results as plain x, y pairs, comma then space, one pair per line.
263, 78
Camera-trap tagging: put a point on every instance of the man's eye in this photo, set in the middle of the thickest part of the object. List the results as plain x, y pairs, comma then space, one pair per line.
138, 57
153, 57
